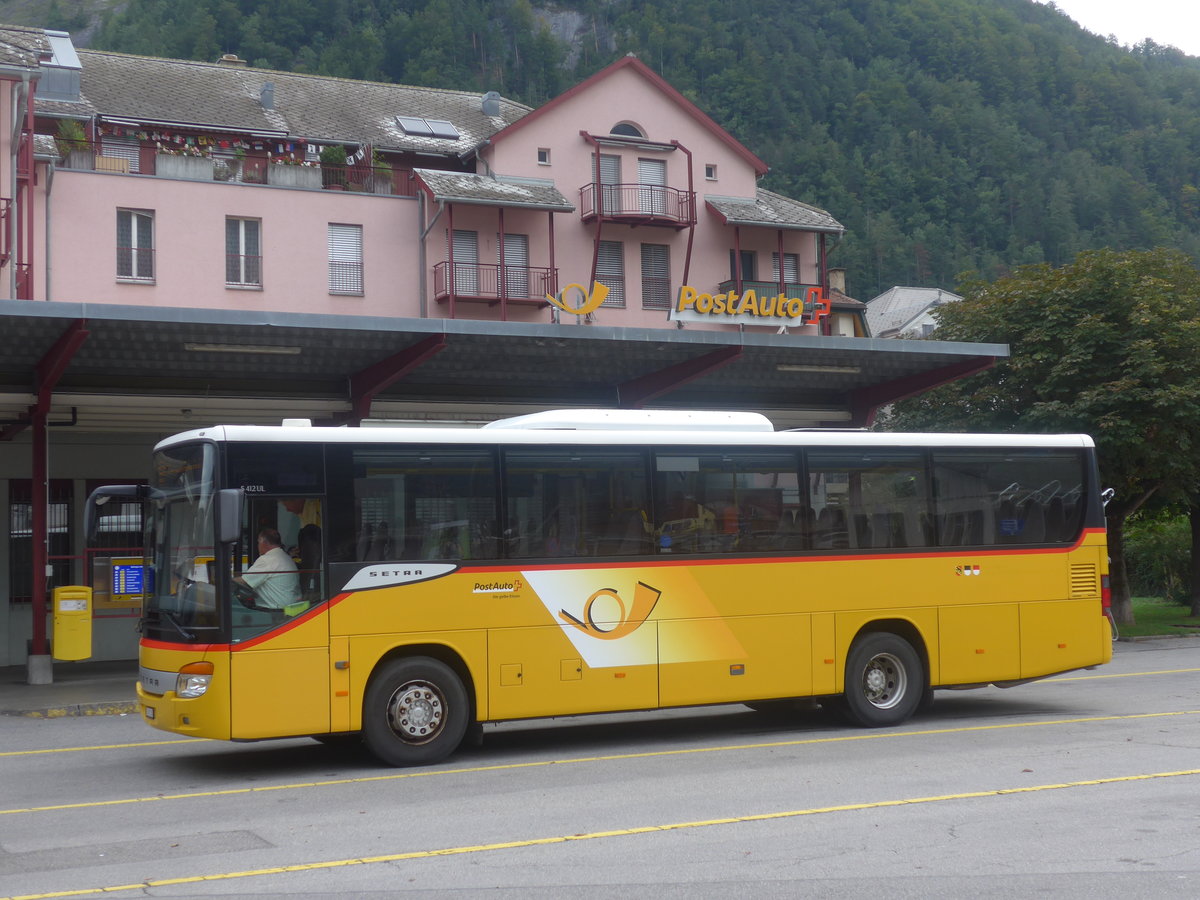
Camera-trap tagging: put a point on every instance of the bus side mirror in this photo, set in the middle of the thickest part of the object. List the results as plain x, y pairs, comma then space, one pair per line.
227, 509
101, 496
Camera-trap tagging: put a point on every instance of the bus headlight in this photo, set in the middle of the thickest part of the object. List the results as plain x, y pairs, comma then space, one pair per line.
193, 680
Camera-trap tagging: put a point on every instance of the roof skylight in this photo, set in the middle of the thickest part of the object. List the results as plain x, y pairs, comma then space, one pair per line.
419, 127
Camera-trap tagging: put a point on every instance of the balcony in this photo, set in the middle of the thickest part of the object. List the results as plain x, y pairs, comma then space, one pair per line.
638, 204
250, 169
484, 283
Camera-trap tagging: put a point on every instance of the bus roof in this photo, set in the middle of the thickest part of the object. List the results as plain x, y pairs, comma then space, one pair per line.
618, 428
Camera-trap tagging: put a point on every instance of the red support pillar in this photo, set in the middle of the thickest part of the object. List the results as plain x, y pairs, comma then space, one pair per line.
40, 646
46, 376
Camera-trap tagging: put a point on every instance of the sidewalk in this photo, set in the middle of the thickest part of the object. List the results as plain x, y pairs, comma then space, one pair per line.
79, 689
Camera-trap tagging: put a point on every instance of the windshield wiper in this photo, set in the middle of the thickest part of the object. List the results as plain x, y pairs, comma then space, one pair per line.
187, 635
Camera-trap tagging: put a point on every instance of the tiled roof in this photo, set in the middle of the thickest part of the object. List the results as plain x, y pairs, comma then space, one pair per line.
23, 47
306, 107
464, 187
896, 307
44, 146
772, 210
844, 302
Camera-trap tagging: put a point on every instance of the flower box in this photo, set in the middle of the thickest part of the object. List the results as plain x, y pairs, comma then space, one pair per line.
188, 168
294, 176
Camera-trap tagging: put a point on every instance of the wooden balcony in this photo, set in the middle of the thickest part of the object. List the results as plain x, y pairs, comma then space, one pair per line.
638, 204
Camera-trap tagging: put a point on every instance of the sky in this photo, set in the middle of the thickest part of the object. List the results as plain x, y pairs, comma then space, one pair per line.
1174, 23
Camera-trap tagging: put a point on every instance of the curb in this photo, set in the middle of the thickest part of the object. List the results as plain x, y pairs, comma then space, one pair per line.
74, 709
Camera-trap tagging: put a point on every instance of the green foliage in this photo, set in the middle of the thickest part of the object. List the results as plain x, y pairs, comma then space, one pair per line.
70, 136
1158, 556
1108, 346
465, 44
333, 164
1156, 616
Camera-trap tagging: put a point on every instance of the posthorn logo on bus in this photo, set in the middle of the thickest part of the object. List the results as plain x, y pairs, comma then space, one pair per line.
610, 620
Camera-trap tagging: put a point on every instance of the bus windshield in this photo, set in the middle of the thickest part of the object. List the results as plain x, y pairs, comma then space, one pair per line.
183, 602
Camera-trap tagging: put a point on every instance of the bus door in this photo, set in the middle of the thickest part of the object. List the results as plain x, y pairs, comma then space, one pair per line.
279, 658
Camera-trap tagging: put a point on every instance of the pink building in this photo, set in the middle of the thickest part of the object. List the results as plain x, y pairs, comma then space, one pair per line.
621, 180
184, 243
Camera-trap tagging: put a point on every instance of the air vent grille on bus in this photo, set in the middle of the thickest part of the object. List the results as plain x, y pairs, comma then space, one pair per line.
1085, 580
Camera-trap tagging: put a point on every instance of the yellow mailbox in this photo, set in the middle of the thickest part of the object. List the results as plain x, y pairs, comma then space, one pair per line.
72, 622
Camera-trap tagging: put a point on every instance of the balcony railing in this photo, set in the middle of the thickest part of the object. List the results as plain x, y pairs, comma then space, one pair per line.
638, 204
249, 170
484, 282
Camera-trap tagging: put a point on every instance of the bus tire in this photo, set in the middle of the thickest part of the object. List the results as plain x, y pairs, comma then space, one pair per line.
884, 680
415, 712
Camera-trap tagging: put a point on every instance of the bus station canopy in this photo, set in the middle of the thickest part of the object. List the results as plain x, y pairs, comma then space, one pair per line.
110, 368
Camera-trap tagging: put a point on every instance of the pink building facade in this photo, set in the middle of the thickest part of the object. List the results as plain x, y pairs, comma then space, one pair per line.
620, 181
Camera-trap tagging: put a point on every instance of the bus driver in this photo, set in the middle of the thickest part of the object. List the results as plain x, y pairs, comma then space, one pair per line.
273, 576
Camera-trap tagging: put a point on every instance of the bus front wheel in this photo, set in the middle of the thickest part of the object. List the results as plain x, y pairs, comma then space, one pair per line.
884, 680
415, 712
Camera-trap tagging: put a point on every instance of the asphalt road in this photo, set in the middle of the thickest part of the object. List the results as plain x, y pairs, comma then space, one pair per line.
1086, 785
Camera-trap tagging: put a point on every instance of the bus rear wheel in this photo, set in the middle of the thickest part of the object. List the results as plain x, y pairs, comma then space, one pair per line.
884, 680
415, 712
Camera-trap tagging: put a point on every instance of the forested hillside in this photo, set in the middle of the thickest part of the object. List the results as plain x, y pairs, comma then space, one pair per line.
947, 135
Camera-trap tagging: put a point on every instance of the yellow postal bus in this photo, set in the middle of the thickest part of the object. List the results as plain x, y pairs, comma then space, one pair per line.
593, 561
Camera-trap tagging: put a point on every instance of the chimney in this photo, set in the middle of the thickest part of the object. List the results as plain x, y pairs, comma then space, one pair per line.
266, 95
837, 280
491, 104
231, 59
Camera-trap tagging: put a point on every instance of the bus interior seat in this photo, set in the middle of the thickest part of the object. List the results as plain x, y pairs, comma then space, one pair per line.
1056, 520
1007, 525
805, 522
863, 536
309, 550
1034, 531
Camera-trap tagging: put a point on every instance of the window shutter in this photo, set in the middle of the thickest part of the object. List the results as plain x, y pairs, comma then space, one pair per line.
466, 262
610, 181
516, 264
656, 276
652, 179
791, 267
345, 259
610, 271
122, 148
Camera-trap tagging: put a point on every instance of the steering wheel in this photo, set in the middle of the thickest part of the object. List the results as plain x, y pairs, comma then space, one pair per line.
245, 595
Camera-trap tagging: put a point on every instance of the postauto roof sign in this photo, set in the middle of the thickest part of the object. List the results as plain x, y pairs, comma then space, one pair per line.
797, 305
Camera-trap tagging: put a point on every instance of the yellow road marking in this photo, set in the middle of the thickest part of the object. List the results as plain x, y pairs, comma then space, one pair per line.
1115, 675
101, 747
596, 835
473, 770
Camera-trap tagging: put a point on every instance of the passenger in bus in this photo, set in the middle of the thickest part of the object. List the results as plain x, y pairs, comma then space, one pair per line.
272, 577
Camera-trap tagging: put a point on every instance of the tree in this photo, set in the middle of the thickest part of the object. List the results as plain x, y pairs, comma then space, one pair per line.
1108, 345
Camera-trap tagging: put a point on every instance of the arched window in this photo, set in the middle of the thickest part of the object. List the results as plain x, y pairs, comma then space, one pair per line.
627, 129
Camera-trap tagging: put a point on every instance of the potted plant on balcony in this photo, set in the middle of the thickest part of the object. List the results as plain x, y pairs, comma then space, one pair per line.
333, 167
288, 171
381, 175
73, 145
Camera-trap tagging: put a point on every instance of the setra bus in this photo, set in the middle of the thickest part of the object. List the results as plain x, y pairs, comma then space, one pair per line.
594, 561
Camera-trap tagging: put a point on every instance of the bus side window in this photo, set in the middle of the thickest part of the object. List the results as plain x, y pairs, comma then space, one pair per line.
574, 502
874, 499
413, 502
1011, 496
